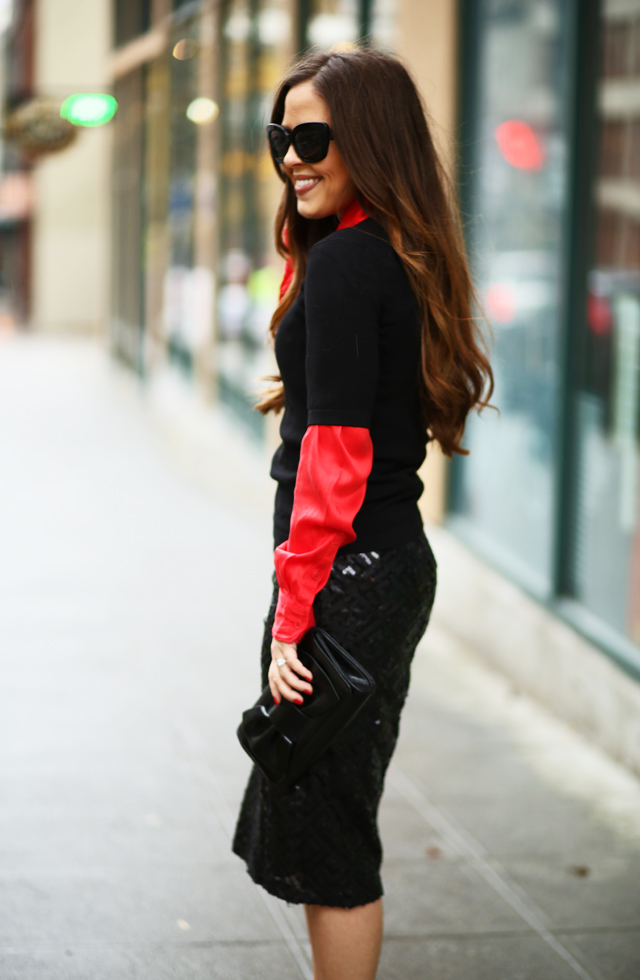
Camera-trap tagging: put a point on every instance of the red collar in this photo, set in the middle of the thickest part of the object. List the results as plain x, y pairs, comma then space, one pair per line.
352, 216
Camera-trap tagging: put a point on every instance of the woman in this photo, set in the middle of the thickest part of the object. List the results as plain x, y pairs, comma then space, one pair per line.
378, 352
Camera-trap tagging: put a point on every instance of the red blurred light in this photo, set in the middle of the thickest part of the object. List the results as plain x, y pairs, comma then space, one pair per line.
501, 303
599, 315
519, 145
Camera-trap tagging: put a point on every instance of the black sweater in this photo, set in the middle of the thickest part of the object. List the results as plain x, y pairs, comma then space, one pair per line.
348, 351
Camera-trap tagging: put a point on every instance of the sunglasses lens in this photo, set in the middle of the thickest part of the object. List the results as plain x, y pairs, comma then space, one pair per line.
312, 142
279, 143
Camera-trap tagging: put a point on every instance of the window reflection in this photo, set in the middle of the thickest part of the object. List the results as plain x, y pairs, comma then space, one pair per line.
127, 267
255, 51
607, 570
183, 284
517, 198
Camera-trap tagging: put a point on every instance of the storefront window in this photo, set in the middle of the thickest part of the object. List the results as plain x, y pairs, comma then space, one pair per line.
165, 161
256, 45
181, 278
127, 321
515, 191
180, 164
157, 146
607, 552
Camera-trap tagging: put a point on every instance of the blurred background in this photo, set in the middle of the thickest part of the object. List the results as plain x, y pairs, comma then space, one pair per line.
137, 199
138, 276
153, 227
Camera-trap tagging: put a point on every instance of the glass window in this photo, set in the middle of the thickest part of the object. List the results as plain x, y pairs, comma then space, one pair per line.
180, 278
256, 46
128, 154
607, 539
164, 202
180, 160
157, 143
515, 200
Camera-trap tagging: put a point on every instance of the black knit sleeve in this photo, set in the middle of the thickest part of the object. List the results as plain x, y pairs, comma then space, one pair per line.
342, 335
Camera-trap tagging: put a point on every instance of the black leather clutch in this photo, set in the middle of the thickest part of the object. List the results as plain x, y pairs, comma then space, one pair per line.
284, 740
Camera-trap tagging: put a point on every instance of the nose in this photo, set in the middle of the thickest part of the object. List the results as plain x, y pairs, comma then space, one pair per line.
291, 158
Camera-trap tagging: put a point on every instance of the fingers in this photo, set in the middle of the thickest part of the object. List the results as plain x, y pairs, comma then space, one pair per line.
291, 679
289, 652
279, 689
272, 687
289, 674
299, 668
287, 684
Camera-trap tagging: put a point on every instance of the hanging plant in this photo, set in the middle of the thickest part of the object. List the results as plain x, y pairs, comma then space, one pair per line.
38, 128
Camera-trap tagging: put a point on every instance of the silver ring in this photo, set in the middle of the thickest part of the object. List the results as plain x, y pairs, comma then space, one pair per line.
281, 663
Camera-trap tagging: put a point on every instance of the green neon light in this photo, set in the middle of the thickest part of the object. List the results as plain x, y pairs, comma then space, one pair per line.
89, 109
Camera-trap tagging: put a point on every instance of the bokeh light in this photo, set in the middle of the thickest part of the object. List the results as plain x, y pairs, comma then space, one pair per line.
519, 145
501, 302
185, 48
89, 109
202, 111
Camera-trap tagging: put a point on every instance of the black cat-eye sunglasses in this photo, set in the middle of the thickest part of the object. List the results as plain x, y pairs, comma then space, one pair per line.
310, 141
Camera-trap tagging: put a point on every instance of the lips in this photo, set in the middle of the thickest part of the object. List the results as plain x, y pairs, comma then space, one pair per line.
302, 185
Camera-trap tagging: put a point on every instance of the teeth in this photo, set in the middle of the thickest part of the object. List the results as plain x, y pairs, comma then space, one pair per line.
306, 182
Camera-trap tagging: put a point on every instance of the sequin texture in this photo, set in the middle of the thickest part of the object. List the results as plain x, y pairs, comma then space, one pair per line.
317, 843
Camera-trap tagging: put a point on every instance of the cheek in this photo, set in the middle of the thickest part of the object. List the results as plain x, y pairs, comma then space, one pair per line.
336, 180
335, 170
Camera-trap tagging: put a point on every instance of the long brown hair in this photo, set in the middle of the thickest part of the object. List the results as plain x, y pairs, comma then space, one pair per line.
380, 128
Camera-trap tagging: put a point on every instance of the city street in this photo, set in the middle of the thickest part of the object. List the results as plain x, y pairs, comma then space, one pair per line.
135, 571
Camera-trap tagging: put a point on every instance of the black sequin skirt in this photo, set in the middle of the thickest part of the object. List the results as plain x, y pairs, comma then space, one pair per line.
318, 842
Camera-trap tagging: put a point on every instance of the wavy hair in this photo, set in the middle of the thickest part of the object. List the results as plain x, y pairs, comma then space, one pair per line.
380, 128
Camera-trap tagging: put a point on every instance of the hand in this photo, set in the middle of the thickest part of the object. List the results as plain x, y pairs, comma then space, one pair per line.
285, 682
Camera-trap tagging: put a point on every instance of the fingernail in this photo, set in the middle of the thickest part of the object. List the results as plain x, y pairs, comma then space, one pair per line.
298, 700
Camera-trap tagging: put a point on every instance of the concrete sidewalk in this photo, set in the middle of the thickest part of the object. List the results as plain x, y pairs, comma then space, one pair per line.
134, 574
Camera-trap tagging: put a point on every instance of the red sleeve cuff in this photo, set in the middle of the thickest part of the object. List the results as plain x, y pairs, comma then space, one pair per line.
293, 619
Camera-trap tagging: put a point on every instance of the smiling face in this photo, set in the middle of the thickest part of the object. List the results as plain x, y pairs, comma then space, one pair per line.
321, 188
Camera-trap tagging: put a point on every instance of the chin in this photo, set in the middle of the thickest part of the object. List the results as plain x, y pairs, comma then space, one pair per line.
313, 211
